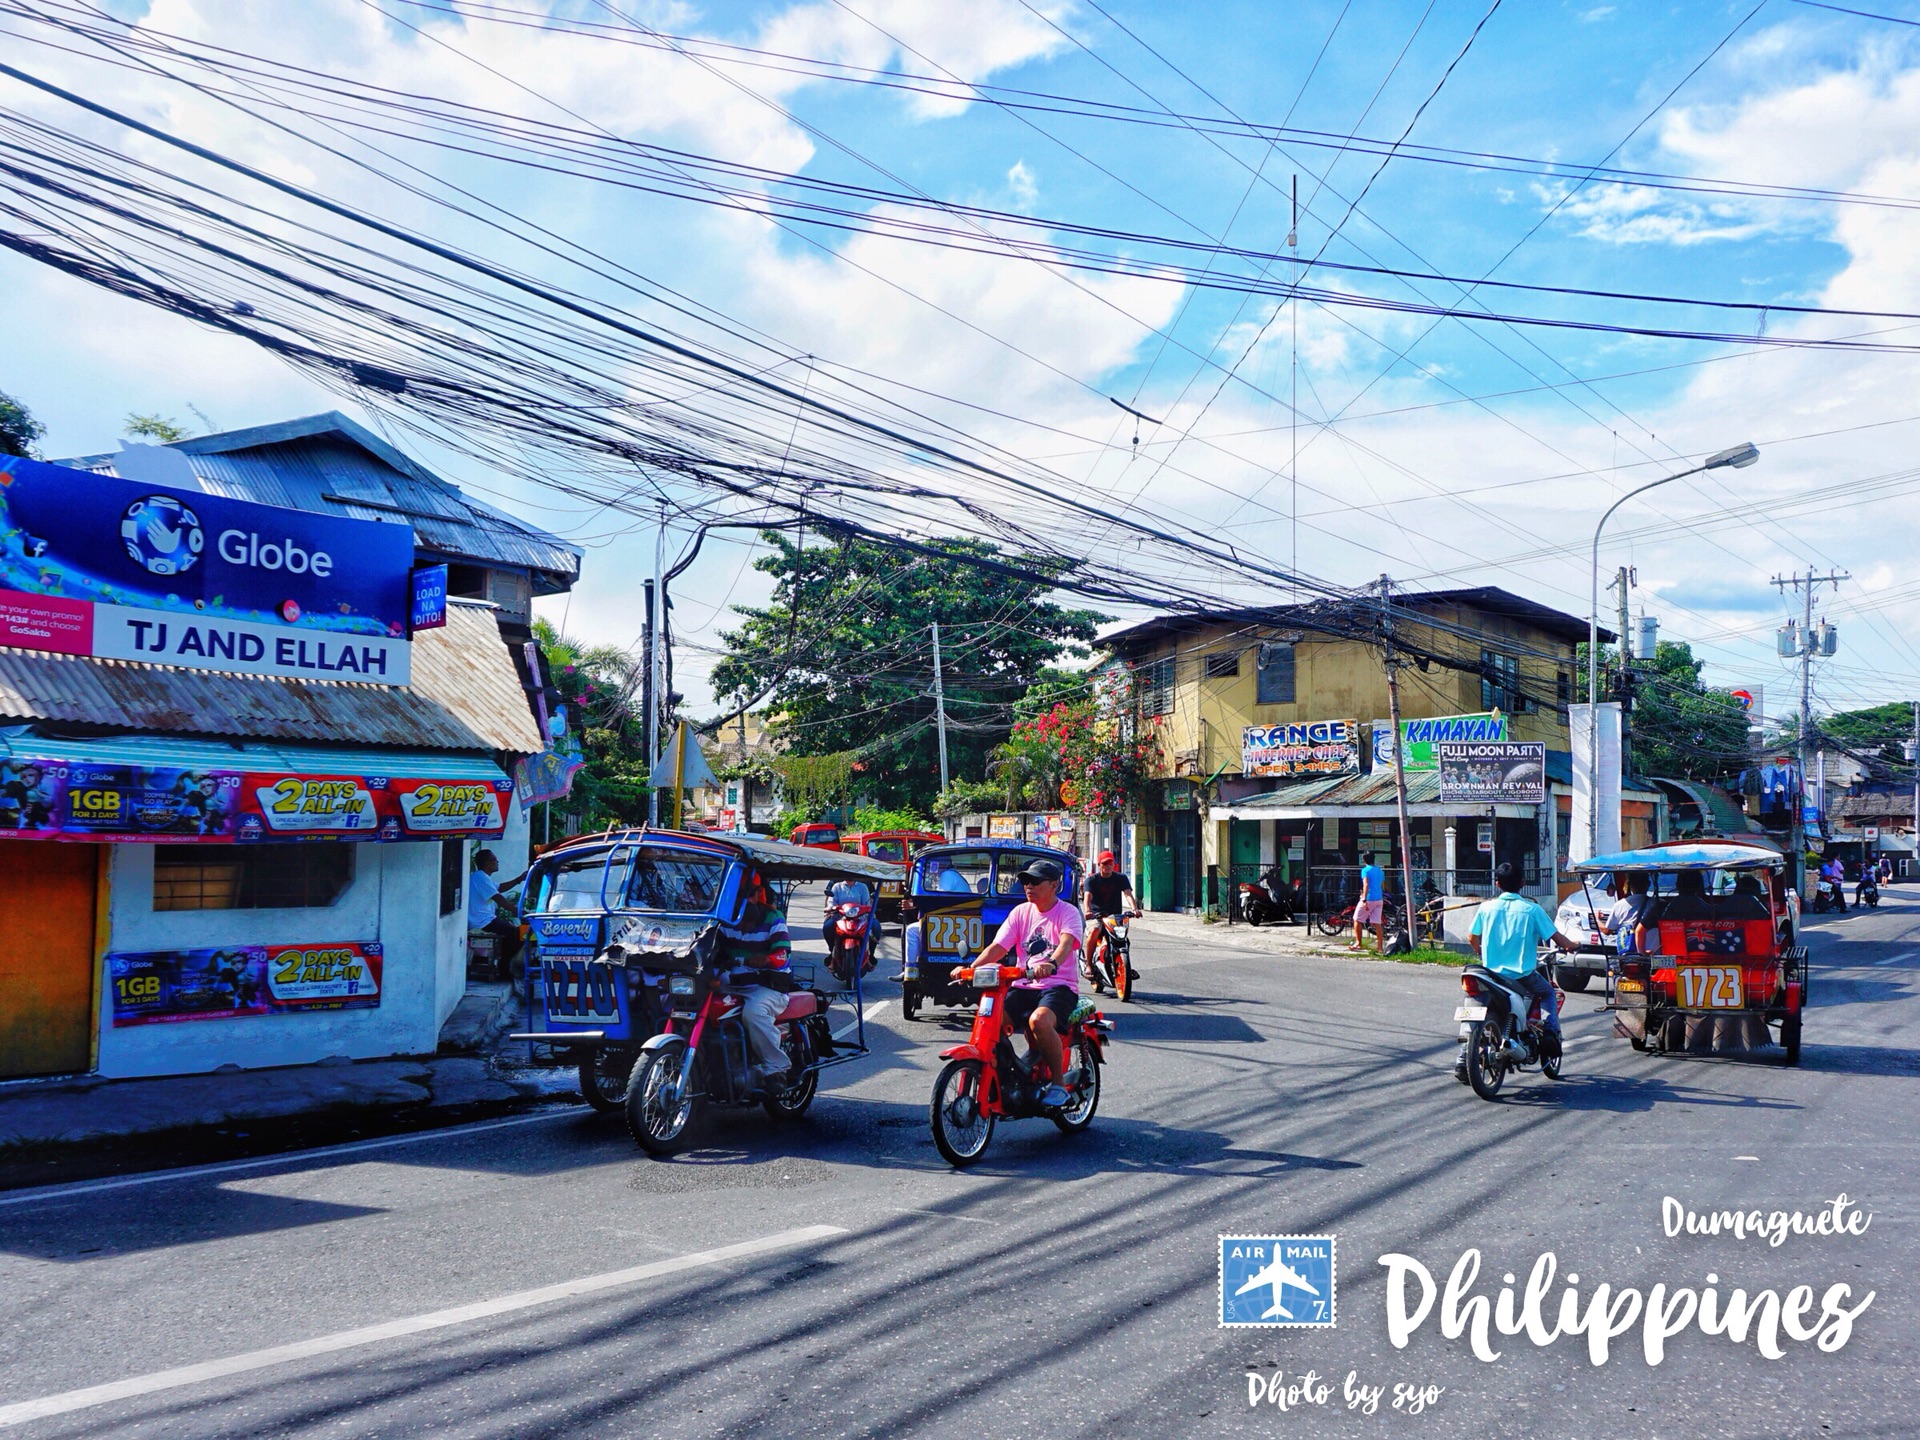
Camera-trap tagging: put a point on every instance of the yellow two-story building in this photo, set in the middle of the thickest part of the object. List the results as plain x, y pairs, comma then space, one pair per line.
1267, 720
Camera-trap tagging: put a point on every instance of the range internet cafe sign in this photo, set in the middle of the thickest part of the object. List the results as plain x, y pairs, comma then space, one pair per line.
1310, 747
1418, 737
126, 570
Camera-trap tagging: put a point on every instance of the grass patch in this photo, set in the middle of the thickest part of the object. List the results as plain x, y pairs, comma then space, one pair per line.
1430, 955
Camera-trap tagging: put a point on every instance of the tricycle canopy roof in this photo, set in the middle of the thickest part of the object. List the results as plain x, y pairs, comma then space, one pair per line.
1686, 855
776, 859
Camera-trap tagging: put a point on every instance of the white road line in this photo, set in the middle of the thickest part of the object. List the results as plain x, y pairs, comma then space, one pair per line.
872, 1010
25, 1410
285, 1157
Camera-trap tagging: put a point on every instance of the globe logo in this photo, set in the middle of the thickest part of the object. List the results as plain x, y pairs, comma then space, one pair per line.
162, 535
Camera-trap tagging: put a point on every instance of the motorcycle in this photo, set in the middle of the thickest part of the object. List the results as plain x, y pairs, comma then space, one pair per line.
985, 1082
1496, 1045
1827, 896
1110, 966
1869, 892
703, 1056
851, 940
1267, 901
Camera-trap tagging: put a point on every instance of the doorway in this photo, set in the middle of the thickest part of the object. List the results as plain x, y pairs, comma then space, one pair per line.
47, 892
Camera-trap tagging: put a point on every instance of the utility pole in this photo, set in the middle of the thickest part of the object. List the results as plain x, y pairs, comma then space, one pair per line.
940, 706
1914, 760
1399, 769
1623, 686
1802, 642
743, 822
655, 623
646, 687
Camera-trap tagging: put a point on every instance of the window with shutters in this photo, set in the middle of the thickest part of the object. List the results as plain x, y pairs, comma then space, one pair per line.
1156, 687
1224, 667
1275, 677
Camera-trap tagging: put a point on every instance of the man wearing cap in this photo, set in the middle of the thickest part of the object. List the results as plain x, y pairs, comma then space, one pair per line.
1108, 893
1042, 934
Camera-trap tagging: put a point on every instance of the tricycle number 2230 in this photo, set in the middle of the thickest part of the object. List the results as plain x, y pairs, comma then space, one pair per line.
1710, 987
954, 934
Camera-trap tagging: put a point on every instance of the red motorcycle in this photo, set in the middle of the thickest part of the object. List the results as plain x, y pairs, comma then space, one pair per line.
985, 1081
703, 1057
850, 940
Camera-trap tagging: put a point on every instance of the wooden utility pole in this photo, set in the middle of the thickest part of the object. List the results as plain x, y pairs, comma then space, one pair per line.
1399, 768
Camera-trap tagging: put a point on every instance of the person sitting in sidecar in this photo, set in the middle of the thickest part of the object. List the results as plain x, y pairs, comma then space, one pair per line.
758, 942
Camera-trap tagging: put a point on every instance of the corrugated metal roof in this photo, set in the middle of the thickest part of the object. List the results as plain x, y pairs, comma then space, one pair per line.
329, 465
162, 751
465, 695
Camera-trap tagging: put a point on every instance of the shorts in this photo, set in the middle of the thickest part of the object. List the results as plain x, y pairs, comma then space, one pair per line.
1367, 912
1060, 999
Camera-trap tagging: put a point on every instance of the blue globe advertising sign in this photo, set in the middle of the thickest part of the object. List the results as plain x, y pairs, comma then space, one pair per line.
124, 569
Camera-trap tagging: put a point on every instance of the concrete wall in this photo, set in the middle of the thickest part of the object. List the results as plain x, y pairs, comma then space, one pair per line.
394, 899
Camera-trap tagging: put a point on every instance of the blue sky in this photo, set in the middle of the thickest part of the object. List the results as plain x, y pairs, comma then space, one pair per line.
1454, 452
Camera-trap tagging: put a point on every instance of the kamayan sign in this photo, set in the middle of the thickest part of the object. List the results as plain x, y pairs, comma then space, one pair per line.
1312, 747
125, 570
1418, 737
61, 800
151, 987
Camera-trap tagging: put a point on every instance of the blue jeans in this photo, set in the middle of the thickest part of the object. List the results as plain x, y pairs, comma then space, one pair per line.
1536, 986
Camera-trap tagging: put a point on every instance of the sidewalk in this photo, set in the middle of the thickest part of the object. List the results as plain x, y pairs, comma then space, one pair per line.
51, 1128
1280, 939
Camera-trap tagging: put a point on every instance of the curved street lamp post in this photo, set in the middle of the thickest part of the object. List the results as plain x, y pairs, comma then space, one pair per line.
1737, 458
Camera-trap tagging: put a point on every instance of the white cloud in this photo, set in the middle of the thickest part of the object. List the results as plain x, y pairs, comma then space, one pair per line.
1022, 186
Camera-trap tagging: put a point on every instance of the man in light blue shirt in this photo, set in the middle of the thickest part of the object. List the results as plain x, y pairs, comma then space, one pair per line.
1371, 907
1507, 932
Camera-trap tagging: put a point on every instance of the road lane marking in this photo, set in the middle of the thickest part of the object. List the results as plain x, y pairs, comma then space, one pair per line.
285, 1157
26, 1410
872, 1010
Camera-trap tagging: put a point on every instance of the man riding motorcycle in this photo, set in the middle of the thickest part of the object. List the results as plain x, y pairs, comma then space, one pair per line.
1043, 933
1506, 931
1109, 893
758, 941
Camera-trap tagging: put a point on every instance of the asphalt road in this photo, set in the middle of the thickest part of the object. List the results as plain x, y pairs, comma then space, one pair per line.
836, 1278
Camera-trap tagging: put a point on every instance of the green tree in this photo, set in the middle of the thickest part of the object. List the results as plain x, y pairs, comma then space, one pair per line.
1875, 733
1678, 727
600, 687
845, 652
160, 429
19, 431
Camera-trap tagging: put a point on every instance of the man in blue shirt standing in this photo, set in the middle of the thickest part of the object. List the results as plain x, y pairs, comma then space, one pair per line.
1372, 905
1507, 932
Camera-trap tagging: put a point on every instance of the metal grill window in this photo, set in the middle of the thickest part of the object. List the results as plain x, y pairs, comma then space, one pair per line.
1275, 683
1223, 667
453, 874
1500, 684
262, 877
1156, 687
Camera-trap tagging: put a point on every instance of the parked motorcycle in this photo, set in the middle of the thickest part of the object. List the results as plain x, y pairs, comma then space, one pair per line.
1498, 1043
1110, 966
705, 1058
985, 1081
851, 938
1267, 901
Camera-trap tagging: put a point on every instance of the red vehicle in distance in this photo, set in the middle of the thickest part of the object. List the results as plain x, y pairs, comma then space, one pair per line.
818, 834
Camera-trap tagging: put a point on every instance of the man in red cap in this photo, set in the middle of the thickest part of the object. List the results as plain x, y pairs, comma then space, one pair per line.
1108, 893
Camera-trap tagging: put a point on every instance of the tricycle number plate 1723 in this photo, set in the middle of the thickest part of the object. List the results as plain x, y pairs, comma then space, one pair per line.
1710, 987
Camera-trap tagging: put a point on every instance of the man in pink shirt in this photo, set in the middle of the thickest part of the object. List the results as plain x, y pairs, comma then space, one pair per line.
1043, 935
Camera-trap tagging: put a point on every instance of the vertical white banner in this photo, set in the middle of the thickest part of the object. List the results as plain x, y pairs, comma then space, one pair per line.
1596, 787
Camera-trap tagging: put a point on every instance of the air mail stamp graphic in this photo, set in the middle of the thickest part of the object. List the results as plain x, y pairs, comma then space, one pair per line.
1277, 1280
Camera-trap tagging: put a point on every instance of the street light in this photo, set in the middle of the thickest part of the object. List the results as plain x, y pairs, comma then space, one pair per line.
1738, 457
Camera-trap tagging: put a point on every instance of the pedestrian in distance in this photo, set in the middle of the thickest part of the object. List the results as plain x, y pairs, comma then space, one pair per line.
1372, 905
